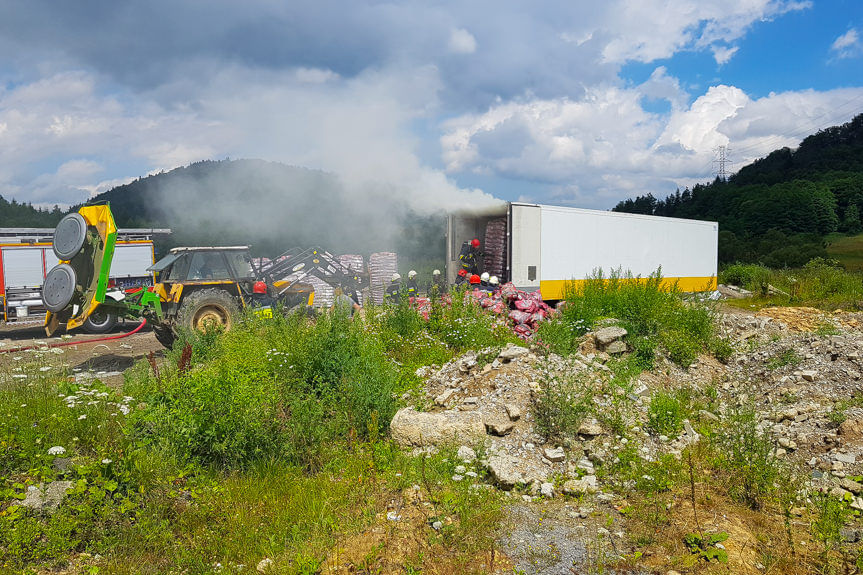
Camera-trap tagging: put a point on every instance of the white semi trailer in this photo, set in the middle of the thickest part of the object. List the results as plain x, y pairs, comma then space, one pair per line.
545, 247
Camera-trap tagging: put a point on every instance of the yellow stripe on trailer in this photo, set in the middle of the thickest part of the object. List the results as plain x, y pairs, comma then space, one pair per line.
555, 289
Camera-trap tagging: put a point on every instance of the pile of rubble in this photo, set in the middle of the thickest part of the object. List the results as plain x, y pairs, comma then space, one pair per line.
803, 387
488, 408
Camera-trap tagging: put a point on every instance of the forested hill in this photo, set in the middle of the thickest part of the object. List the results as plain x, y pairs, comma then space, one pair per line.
779, 209
15, 215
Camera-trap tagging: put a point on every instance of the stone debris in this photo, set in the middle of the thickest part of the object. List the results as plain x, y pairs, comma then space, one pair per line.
46, 498
499, 428
466, 454
587, 484
511, 352
555, 454
512, 411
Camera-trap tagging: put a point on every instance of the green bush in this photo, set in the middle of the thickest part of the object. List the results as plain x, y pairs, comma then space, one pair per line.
752, 277
652, 310
744, 455
560, 407
283, 387
665, 414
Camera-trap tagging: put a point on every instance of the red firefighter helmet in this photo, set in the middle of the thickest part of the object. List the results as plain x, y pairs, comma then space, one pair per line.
474, 279
259, 287
462, 273
475, 242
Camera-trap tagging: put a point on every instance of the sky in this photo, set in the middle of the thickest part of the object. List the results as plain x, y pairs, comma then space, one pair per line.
572, 102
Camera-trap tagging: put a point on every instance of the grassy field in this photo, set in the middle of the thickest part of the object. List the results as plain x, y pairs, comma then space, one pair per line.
820, 283
270, 443
848, 250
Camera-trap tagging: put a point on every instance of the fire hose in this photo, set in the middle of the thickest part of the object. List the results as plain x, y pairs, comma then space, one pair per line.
79, 342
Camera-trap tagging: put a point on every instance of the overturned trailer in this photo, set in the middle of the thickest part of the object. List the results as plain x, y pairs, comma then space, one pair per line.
545, 247
26, 256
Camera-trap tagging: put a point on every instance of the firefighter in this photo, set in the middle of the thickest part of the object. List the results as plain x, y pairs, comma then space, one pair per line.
438, 285
262, 302
475, 281
413, 290
483, 280
462, 277
493, 283
468, 254
394, 290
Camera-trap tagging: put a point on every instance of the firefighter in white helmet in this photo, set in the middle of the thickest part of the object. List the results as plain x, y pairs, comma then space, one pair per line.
413, 290
493, 284
394, 290
438, 285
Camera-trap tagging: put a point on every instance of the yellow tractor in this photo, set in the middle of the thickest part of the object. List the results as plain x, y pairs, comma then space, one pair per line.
197, 287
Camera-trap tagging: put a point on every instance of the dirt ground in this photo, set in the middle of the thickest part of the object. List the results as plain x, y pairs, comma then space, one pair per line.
80, 352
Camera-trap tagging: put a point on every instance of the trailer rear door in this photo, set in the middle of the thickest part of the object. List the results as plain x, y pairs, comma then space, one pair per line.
526, 245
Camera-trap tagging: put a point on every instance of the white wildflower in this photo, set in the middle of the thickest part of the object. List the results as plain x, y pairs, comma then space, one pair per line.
106, 461
82, 417
44, 368
124, 409
57, 450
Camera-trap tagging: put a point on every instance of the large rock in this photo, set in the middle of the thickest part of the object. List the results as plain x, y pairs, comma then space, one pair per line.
590, 429
511, 352
48, 498
499, 427
413, 428
587, 484
851, 429
554, 454
607, 335
509, 471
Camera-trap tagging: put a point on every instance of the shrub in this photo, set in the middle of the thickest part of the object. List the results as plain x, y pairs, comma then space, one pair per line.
665, 414
560, 407
283, 387
745, 456
752, 277
652, 310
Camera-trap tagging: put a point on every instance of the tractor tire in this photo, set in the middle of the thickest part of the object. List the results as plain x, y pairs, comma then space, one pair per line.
164, 335
209, 307
100, 322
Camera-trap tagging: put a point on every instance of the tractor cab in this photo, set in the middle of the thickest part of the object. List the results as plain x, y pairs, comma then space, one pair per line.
206, 266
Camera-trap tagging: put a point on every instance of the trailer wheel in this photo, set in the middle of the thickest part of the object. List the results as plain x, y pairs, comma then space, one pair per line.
164, 335
206, 309
100, 321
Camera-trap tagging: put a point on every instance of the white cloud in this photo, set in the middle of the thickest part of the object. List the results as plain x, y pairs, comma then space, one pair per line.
848, 45
607, 147
647, 30
461, 41
723, 54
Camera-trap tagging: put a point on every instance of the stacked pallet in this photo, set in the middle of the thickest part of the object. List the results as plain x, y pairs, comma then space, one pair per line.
382, 265
494, 247
352, 261
356, 263
325, 294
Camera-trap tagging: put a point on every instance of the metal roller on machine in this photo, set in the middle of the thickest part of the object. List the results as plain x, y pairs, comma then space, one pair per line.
59, 287
69, 236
